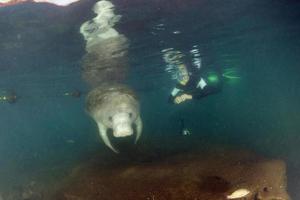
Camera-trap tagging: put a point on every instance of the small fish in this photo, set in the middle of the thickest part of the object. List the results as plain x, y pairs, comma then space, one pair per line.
238, 194
176, 32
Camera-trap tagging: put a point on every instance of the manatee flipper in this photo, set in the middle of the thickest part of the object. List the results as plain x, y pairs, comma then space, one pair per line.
139, 127
103, 134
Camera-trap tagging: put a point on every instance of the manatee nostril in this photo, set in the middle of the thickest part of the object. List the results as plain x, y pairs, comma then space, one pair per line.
110, 118
130, 115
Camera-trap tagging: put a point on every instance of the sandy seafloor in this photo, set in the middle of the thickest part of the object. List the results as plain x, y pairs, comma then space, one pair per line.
208, 171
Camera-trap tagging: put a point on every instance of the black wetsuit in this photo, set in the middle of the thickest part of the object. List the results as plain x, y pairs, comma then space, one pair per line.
197, 86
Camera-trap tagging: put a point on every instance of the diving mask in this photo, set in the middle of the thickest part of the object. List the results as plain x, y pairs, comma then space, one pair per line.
182, 75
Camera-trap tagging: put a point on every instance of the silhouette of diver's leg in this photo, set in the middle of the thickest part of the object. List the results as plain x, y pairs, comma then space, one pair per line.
181, 125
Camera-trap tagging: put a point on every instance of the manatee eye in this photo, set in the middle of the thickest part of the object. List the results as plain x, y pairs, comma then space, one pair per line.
110, 119
130, 115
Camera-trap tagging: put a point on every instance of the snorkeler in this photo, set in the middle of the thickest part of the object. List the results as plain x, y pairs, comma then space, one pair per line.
191, 84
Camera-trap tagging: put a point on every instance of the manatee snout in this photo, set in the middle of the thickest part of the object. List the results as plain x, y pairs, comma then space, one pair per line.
122, 125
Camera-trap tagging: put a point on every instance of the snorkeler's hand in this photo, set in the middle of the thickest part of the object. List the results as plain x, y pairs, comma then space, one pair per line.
182, 98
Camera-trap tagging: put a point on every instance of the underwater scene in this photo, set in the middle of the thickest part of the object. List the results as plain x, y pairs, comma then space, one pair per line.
149, 100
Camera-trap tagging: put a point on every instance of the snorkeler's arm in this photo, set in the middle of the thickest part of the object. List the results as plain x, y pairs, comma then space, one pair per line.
207, 90
178, 96
183, 97
175, 92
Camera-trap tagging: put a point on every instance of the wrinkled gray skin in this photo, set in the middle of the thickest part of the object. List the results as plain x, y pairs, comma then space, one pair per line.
104, 68
114, 107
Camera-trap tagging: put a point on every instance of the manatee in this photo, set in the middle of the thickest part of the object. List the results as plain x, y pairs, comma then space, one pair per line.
111, 103
115, 107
